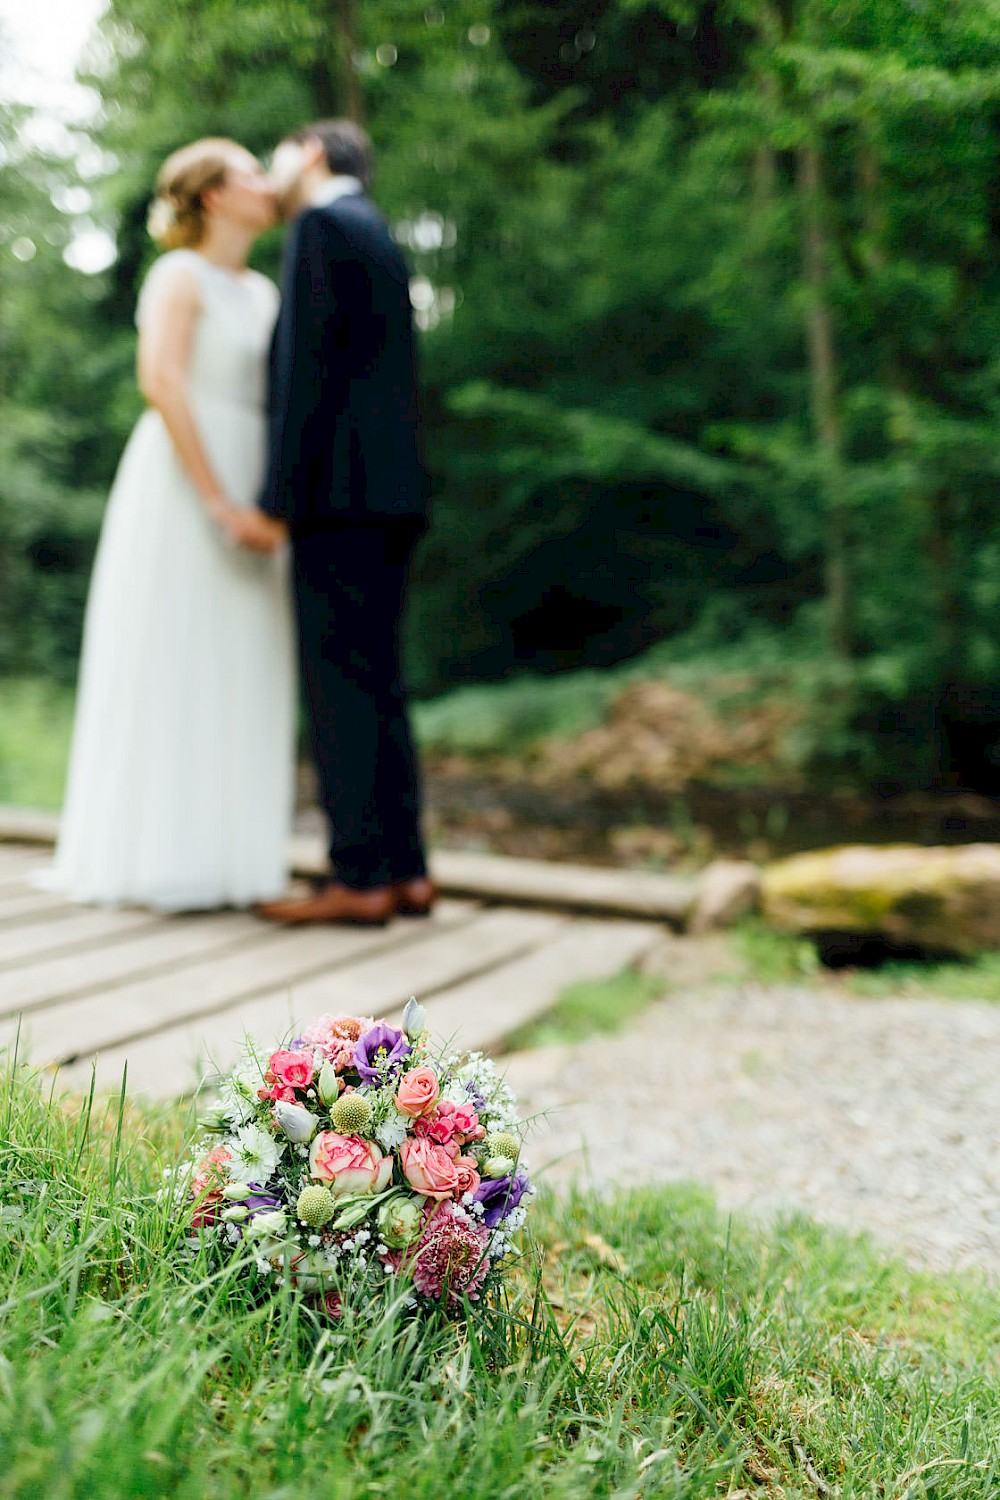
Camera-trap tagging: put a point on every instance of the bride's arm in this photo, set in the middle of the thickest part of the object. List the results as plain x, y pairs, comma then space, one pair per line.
165, 336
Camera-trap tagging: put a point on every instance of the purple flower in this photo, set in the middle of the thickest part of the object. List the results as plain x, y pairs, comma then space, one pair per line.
499, 1195
379, 1051
260, 1201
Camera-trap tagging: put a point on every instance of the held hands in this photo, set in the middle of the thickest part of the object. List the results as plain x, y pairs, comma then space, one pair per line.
249, 528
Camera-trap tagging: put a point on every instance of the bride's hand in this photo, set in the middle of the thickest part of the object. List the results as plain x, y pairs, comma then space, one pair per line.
249, 527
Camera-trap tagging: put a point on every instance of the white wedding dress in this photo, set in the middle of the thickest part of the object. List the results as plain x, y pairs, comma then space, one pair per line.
181, 773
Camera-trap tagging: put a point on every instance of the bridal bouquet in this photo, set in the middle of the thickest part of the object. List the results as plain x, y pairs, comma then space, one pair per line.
357, 1153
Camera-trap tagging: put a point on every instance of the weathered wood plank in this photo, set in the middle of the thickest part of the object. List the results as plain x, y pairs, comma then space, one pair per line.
82, 927
18, 902
481, 1013
492, 877
167, 947
535, 882
16, 860
28, 825
73, 1028
173, 1061
387, 980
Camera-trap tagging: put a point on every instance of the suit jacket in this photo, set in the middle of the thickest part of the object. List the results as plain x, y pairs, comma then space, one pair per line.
344, 432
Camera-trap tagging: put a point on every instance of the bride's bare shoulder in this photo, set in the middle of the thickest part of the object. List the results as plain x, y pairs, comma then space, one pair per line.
172, 278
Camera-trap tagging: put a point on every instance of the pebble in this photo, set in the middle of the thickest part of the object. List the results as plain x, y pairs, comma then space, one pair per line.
879, 1115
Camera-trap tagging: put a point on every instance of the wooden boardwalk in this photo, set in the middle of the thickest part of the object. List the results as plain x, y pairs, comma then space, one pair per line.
173, 996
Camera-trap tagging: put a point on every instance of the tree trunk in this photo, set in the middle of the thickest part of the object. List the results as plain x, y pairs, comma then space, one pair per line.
823, 382
337, 87
347, 42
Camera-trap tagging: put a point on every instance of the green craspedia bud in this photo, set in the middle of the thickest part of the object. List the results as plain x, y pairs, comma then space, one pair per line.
498, 1166
315, 1207
502, 1143
351, 1114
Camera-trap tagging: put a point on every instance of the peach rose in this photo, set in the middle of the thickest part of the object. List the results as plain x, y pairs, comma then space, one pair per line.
468, 1176
206, 1186
290, 1070
417, 1092
348, 1164
429, 1169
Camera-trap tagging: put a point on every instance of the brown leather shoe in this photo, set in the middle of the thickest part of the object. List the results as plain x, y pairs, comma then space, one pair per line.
415, 898
335, 903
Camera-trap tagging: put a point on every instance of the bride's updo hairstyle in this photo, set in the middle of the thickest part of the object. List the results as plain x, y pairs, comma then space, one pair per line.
177, 213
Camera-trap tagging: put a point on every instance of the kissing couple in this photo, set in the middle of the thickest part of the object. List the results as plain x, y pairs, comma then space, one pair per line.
272, 489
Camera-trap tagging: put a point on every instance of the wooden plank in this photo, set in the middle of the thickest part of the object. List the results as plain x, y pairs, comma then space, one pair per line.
481, 1013
176, 1060
536, 882
16, 860
168, 946
19, 902
492, 877
173, 1060
28, 825
79, 1027
83, 927
387, 980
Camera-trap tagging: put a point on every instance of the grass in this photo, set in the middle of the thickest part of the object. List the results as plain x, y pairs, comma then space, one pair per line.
509, 717
772, 957
649, 1347
979, 979
591, 1007
35, 722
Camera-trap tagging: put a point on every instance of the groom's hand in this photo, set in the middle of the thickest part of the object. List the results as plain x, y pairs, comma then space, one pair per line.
260, 532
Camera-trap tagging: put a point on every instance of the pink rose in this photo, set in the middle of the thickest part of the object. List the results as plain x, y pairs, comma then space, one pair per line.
437, 1127
291, 1070
348, 1164
468, 1176
417, 1092
276, 1092
428, 1168
466, 1120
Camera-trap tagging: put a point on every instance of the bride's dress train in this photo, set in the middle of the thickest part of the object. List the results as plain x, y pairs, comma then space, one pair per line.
180, 781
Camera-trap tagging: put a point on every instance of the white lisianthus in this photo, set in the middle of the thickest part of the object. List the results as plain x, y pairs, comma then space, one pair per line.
267, 1226
295, 1121
414, 1017
328, 1083
256, 1153
392, 1131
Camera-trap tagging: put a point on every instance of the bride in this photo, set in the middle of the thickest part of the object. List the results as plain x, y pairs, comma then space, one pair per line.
180, 780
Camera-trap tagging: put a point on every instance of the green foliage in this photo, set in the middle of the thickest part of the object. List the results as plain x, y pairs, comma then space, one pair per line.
649, 1346
509, 717
976, 980
35, 722
711, 301
773, 957
590, 1008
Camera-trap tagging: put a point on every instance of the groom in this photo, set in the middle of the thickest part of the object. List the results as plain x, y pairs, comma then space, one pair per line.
345, 476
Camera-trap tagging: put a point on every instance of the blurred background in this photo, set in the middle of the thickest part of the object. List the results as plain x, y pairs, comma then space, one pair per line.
710, 310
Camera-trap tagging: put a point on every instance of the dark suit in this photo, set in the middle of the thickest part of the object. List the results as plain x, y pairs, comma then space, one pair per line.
344, 471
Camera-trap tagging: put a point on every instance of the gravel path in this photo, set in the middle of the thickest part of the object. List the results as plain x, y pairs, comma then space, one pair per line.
871, 1114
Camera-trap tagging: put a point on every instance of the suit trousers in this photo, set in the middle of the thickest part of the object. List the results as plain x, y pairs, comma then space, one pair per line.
350, 587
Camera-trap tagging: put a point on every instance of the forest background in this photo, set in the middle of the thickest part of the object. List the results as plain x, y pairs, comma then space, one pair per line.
710, 300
